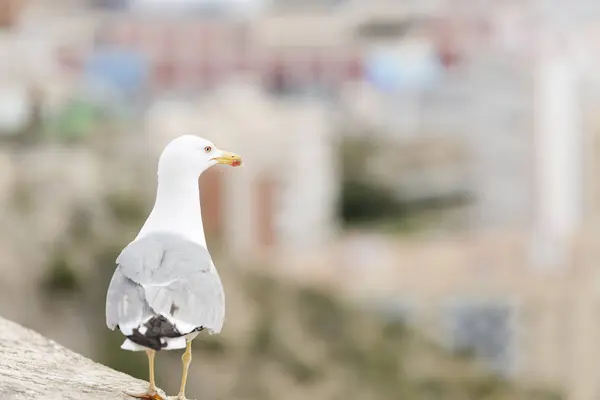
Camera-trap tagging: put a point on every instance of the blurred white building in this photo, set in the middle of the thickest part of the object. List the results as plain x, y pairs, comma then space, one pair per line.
285, 196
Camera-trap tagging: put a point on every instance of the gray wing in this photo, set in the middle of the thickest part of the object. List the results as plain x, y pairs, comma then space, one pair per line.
164, 274
125, 303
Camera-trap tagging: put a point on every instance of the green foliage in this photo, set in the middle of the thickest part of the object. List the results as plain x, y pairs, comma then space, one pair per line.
60, 276
74, 123
360, 202
376, 354
367, 201
211, 345
80, 228
126, 208
22, 198
105, 259
354, 156
368, 204
263, 337
320, 314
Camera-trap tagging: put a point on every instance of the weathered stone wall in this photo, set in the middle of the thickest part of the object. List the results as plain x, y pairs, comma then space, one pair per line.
33, 367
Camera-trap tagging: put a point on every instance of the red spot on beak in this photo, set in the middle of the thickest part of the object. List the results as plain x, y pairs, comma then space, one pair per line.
236, 163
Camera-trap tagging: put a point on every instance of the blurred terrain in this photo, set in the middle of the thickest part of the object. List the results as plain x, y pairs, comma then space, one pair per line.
416, 217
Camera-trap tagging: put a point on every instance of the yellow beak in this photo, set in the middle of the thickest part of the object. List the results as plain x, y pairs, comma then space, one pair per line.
227, 158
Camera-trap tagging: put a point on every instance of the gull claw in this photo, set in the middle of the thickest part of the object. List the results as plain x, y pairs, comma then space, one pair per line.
157, 394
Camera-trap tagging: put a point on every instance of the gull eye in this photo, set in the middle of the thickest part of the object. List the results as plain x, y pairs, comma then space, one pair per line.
208, 149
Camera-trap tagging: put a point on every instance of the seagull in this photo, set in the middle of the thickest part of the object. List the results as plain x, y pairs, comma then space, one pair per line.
165, 289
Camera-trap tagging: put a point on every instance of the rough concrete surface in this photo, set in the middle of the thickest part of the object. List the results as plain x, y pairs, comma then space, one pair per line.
33, 367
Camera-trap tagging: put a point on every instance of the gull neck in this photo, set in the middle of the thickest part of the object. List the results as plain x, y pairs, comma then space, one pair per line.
177, 209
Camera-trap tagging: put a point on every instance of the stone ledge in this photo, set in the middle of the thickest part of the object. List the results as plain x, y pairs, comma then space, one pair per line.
33, 367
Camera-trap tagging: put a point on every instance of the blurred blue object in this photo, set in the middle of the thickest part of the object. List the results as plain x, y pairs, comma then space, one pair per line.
205, 7
391, 70
118, 70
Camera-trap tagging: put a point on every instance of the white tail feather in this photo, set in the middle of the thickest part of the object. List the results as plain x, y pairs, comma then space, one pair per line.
175, 343
172, 344
131, 346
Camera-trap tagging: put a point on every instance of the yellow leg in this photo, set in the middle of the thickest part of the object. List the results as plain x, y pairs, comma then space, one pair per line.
153, 391
186, 358
151, 353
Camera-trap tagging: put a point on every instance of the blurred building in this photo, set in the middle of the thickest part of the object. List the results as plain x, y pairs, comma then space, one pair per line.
286, 196
493, 100
480, 294
516, 289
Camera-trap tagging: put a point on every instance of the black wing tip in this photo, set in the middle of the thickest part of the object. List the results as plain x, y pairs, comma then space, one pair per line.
158, 330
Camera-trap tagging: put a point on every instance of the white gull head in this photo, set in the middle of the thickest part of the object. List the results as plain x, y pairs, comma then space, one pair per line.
177, 206
192, 155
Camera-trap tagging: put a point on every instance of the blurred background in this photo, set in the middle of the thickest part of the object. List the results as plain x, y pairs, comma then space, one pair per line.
418, 213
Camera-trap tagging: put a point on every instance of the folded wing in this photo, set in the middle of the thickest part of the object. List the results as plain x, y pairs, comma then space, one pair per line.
165, 286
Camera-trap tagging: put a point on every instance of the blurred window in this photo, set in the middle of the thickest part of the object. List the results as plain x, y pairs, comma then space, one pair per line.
165, 74
484, 330
278, 77
293, 4
110, 4
384, 29
9, 10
